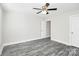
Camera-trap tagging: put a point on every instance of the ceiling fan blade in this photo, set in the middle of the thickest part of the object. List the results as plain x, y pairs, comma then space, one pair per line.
37, 8
52, 9
39, 12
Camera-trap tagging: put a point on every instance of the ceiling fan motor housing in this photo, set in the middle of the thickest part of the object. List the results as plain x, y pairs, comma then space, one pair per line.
47, 4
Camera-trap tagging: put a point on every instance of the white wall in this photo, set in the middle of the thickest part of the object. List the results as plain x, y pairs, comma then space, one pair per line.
0, 30
60, 27
18, 26
43, 29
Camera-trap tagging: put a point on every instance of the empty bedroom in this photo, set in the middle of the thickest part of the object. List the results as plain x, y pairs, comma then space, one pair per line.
39, 29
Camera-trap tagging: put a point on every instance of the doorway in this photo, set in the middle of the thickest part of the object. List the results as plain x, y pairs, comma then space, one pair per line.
48, 28
45, 29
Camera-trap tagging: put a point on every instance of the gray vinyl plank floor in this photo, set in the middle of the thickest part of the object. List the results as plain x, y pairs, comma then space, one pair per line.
40, 47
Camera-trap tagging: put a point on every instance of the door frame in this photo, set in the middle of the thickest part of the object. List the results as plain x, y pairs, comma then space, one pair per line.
45, 28
70, 36
70, 31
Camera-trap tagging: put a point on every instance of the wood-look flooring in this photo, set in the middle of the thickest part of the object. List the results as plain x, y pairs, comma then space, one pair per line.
41, 47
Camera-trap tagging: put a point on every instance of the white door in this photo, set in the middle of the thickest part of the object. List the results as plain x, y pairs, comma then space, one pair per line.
74, 30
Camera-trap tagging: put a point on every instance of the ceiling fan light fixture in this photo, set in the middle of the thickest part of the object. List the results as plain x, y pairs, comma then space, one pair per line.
44, 12
44, 9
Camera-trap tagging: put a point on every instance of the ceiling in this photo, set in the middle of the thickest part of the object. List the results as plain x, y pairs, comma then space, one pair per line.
28, 7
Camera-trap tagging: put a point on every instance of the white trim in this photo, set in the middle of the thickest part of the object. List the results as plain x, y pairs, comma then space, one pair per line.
62, 42
70, 36
11, 43
1, 49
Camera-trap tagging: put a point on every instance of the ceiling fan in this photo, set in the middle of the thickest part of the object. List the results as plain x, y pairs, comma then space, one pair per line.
45, 9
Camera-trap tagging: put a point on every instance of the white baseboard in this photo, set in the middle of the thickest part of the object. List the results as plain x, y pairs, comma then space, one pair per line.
61, 42
11, 43
1, 49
